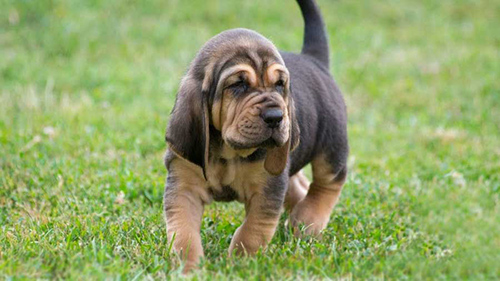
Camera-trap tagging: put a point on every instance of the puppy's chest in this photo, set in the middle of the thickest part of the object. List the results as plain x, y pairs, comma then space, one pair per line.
233, 179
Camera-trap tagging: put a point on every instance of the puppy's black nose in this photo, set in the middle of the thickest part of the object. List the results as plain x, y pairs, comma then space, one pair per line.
272, 117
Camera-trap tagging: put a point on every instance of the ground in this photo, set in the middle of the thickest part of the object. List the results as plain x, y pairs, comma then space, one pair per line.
86, 88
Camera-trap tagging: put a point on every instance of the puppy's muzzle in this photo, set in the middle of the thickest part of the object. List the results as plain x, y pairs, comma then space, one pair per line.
272, 117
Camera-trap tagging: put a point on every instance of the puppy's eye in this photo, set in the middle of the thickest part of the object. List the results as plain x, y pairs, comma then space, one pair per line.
239, 87
280, 86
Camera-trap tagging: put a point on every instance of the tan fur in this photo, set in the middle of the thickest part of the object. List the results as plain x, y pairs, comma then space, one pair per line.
257, 229
230, 75
184, 216
276, 159
183, 227
244, 178
315, 209
297, 190
216, 115
274, 73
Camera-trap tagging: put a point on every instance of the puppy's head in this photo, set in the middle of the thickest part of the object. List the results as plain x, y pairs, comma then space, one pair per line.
239, 86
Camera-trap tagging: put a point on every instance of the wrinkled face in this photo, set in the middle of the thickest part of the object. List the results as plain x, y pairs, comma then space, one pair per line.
252, 108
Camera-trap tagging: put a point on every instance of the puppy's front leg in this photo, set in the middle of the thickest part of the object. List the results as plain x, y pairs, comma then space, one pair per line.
262, 217
183, 212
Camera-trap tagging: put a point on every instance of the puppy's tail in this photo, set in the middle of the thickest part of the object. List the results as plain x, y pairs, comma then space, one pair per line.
315, 37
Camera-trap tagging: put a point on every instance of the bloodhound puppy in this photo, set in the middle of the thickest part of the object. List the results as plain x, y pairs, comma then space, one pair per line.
246, 120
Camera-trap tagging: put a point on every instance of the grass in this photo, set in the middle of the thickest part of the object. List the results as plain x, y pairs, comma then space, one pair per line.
86, 88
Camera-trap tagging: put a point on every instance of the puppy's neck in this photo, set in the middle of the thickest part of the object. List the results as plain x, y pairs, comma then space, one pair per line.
228, 153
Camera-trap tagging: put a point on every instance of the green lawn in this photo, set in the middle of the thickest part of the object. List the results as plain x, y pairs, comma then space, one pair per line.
86, 88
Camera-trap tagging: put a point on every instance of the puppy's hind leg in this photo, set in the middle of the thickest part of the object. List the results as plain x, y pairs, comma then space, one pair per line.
324, 192
298, 186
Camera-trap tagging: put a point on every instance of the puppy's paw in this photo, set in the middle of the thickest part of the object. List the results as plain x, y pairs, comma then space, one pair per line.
189, 267
244, 243
307, 219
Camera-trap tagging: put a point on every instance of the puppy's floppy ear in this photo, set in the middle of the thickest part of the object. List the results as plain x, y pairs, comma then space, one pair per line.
294, 126
188, 128
277, 158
